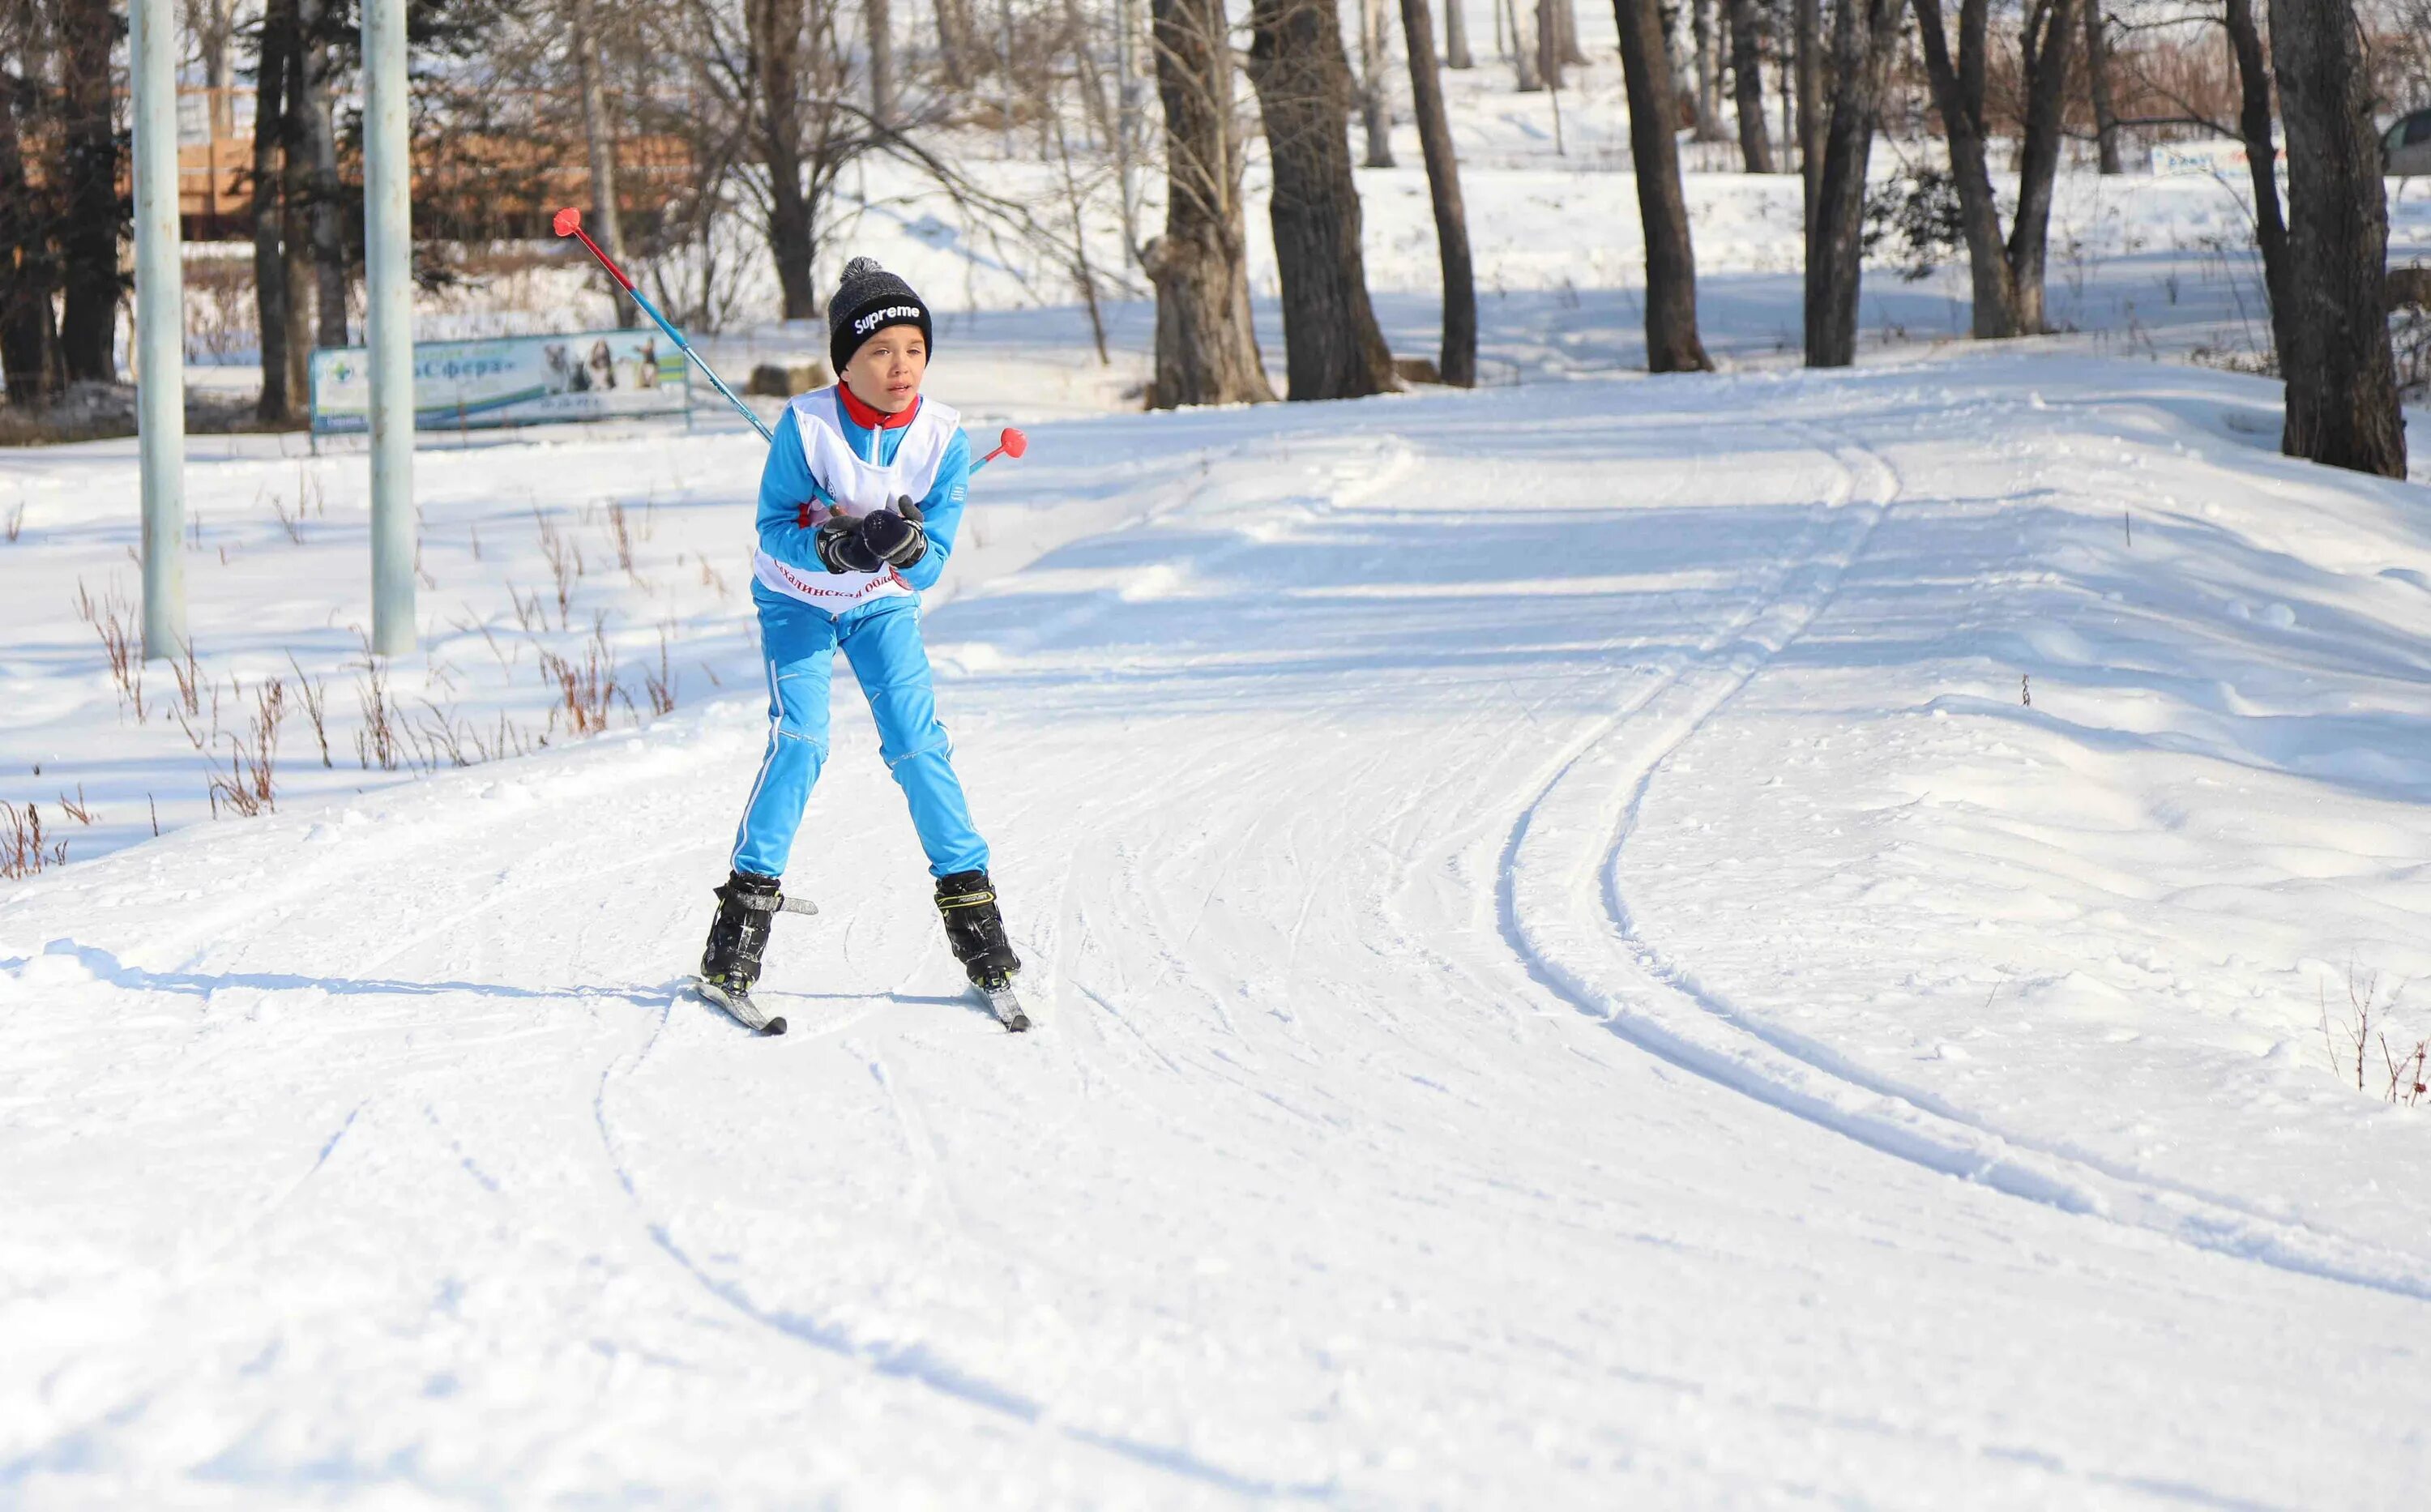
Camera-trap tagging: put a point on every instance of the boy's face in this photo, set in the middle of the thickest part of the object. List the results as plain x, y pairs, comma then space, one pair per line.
885, 374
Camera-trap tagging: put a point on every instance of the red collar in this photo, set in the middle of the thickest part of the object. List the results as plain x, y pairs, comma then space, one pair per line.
869, 419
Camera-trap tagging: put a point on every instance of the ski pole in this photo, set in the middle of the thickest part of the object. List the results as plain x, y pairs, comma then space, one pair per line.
569, 223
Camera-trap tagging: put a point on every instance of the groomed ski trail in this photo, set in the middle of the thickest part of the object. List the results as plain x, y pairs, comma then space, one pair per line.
401, 1170
1565, 914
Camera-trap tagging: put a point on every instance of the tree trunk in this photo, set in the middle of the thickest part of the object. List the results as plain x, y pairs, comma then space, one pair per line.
1206, 349
1527, 51
1863, 37
1673, 344
270, 302
326, 199
1458, 363
2261, 159
1809, 69
1457, 53
2097, 76
954, 44
29, 344
606, 223
775, 39
1958, 94
1709, 72
2342, 406
213, 27
1375, 102
94, 216
295, 222
1747, 85
1549, 56
1566, 17
878, 17
2046, 76
1332, 347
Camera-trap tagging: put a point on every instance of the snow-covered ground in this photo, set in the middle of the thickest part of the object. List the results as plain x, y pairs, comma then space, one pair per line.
1744, 940
1568, 972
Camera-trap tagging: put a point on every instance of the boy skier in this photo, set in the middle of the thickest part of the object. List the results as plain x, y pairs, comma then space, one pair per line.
859, 507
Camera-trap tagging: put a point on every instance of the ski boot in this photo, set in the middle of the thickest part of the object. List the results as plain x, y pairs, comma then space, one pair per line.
975, 931
737, 938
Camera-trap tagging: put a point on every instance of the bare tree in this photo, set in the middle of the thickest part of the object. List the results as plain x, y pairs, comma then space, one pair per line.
2044, 57
1375, 101
607, 220
295, 217
274, 39
1206, 349
2342, 406
1458, 363
1746, 84
1709, 72
1863, 36
1527, 49
1566, 31
325, 195
213, 23
29, 354
2008, 277
1331, 347
2097, 83
782, 48
1673, 344
1809, 69
2262, 161
1457, 53
93, 219
878, 18
958, 49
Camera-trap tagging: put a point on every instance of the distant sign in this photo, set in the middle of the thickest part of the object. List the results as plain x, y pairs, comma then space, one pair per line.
512, 380
2175, 159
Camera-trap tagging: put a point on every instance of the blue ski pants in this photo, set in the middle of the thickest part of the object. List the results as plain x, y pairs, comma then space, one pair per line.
881, 640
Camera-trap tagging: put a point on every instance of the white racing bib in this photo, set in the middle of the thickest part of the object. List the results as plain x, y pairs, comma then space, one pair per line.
858, 488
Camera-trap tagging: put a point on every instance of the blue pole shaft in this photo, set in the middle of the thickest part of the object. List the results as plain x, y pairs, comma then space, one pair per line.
676, 336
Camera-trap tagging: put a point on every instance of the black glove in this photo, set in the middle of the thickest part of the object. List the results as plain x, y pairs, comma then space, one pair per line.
893, 539
841, 548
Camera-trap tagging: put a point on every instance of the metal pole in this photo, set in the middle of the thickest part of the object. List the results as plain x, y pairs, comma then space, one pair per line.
388, 259
160, 325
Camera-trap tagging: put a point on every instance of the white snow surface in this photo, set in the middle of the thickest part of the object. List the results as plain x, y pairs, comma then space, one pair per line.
1568, 974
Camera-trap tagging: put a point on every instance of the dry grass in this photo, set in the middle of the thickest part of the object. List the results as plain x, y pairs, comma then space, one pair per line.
24, 850
314, 695
659, 685
377, 744
587, 690
565, 565
250, 783
122, 640
2363, 1025
620, 531
189, 675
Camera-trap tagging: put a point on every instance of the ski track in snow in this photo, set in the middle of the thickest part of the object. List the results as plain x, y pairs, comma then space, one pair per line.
1369, 1149
1602, 965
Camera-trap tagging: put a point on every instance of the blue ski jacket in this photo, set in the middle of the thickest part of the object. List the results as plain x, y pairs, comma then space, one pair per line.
786, 485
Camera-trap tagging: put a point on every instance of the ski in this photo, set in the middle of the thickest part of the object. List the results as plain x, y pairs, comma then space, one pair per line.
1002, 1002
738, 1007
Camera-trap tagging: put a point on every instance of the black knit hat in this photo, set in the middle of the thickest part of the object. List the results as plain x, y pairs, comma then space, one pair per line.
866, 302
